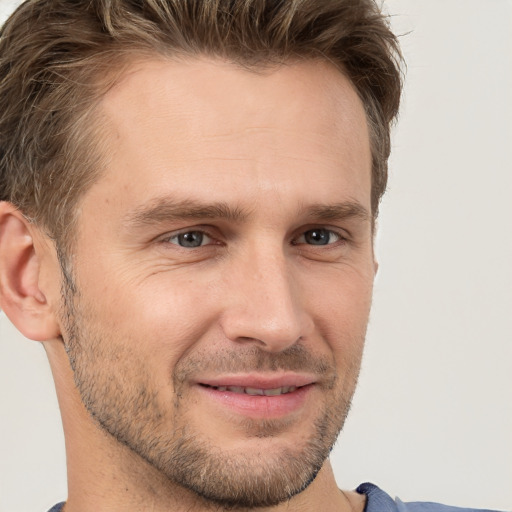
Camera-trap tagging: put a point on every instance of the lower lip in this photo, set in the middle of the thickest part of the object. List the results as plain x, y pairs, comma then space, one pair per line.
257, 406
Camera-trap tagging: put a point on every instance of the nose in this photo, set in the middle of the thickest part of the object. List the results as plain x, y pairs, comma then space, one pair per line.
265, 304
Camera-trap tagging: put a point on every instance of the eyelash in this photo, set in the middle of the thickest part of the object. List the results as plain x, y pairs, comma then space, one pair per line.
340, 238
330, 232
200, 232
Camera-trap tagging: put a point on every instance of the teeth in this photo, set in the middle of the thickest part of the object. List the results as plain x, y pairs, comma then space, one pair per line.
256, 391
235, 389
274, 392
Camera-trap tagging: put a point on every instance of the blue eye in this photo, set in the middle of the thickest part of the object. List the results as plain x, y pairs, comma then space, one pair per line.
190, 239
319, 236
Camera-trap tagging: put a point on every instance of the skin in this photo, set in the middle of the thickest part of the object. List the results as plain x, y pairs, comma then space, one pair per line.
284, 152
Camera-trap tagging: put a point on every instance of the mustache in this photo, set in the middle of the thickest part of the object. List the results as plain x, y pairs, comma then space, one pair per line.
296, 358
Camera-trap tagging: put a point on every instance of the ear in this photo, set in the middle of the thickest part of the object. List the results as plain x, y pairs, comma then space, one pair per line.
20, 296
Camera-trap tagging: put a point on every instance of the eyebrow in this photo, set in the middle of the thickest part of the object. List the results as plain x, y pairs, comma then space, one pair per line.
338, 211
165, 209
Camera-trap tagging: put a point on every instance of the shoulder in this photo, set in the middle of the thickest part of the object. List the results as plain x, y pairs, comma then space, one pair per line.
379, 501
57, 508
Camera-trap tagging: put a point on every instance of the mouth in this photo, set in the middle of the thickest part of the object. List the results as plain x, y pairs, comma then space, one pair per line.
255, 391
258, 396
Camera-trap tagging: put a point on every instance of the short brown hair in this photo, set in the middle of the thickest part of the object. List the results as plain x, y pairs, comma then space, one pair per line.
58, 57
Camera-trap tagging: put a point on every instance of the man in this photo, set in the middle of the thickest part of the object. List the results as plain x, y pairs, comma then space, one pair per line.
189, 194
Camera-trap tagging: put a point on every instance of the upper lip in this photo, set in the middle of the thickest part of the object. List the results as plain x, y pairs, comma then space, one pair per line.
259, 380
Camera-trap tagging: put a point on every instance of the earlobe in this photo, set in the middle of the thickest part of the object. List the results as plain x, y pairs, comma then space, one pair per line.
20, 296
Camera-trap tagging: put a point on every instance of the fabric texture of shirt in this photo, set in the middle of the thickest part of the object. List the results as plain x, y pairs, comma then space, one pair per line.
378, 501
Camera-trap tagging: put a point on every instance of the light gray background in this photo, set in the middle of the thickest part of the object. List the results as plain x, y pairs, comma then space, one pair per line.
432, 419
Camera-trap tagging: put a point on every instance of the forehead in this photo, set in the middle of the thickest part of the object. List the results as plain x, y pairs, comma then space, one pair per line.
230, 97
207, 122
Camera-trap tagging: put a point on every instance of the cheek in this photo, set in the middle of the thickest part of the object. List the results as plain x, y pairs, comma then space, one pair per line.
160, 318
341, 310
344, 294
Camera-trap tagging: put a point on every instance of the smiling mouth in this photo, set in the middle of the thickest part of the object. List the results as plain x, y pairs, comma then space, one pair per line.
255, 391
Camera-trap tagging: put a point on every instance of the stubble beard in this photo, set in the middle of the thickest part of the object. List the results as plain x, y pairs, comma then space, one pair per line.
117, 390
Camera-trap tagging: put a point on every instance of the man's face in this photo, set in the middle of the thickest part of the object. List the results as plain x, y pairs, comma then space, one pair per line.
224, 269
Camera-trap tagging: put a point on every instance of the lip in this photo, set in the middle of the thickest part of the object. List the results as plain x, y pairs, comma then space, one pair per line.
257, 406
260, 380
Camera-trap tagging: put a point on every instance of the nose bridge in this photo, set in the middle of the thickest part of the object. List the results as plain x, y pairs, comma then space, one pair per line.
265, 306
